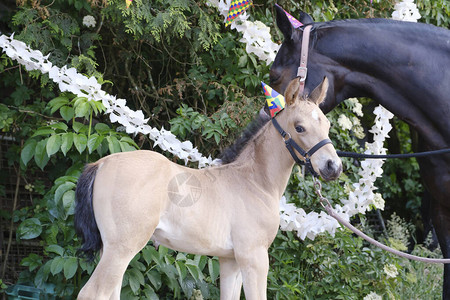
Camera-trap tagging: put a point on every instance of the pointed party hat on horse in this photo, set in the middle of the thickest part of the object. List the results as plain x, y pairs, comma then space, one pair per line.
237, 7
275, 101
295, 23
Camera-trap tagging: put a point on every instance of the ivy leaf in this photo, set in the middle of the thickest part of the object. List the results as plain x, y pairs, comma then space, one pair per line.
67, 112
53, 144
40, 155
70, 267
28, 151
66, 142
29, 229
80, 141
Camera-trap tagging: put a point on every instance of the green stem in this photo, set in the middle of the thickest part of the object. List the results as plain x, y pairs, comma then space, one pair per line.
89, 135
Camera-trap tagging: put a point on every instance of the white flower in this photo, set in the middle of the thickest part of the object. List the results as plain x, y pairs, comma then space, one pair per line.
344, 122
378, 201
372, 296
390, 270
89, 21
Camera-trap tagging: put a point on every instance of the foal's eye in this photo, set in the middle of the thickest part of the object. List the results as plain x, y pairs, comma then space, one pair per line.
299, 128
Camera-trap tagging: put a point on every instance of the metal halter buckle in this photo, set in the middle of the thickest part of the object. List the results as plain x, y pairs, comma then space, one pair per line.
302, 72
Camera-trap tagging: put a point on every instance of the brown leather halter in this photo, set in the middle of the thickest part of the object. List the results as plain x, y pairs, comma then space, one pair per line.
302, 70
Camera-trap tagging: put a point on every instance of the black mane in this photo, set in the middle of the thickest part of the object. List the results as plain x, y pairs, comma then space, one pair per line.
232, 152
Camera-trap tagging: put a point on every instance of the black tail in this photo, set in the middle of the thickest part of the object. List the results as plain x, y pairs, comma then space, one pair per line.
85, 224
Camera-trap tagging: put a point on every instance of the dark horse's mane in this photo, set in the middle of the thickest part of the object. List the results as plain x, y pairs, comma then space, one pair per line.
232, 152
418, 28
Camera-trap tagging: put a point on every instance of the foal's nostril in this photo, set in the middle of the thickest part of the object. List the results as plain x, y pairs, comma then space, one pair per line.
330, 166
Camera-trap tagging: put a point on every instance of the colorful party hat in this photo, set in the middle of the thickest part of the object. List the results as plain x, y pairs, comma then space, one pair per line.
275, 101
295, 23
128, 2
237, 7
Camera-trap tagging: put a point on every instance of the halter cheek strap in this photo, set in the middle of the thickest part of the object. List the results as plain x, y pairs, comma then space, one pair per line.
291, 145
302, 70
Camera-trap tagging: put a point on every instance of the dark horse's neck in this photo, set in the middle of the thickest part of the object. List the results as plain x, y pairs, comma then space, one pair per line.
403, 66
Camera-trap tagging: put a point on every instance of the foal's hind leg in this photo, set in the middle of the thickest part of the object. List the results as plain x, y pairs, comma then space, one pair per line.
106, 280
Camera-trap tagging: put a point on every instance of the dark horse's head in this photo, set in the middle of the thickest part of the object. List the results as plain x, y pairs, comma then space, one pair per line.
284, 68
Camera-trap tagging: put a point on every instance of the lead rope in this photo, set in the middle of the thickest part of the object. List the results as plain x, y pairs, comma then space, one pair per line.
326, 204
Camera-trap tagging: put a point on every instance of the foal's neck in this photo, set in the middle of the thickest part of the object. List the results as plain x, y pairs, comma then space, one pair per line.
267, 162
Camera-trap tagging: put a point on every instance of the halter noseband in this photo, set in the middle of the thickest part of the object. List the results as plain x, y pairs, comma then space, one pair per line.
291, 145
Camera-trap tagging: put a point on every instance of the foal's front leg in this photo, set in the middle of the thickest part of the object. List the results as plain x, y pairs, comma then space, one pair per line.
230, 279
254, 267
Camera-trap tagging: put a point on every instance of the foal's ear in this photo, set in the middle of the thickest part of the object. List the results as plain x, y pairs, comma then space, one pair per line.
291, 93
305, 18
283, 23
320, 92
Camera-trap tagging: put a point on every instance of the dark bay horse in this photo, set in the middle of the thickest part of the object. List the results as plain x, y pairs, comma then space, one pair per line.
230, 211
402, 65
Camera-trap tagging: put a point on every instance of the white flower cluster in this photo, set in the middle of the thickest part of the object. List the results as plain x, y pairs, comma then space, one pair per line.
89, 21
69, 80
406, 10
256, 35
390, 270
373, 296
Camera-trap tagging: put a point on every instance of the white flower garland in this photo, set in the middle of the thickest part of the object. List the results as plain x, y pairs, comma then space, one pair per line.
257, 38
69, 80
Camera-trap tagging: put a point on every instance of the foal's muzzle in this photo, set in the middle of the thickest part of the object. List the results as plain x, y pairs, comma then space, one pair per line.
331, 170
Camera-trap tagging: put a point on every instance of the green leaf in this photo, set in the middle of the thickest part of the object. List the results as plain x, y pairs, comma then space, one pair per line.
124, 147
155, 279
82, 110
113, 144
135, 279
55, 249
66, 142
69, 202
43, 131
62, 189
194, 270
102, 128
57, 102
40, 155
80, 141
53, 144
60, 126
29, 229
214, 269
57, 265
70, 267
67, 112
94, 142
77, 126
181, 268
28, 151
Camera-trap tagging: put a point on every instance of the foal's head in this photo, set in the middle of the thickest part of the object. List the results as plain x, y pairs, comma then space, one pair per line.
307, 125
